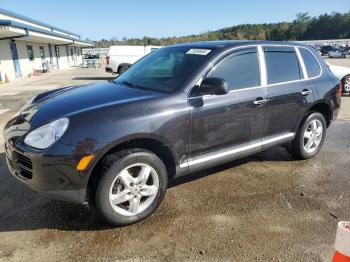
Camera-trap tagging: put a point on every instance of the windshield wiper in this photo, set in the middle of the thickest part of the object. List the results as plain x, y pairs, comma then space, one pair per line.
137, 86
129, 84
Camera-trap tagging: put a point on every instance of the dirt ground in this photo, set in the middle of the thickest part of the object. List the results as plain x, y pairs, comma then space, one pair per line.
267, 207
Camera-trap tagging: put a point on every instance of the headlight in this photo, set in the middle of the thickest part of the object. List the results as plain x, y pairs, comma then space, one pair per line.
45, 136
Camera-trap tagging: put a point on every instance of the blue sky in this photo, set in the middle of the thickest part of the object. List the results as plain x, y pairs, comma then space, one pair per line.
158, 18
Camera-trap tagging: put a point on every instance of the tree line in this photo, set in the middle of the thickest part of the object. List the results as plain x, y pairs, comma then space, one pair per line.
304, 27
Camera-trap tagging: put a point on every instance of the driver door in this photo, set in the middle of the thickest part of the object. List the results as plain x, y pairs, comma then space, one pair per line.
225, 127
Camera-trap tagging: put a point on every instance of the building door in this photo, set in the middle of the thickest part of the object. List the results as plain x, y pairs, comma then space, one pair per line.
15, 60
67, 55
57, 50
50, 52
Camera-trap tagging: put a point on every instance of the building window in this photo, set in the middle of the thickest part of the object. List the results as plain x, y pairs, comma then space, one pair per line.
30, 53
42, 52
71, 52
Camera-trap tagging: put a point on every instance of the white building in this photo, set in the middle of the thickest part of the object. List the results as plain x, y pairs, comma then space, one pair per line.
26, 43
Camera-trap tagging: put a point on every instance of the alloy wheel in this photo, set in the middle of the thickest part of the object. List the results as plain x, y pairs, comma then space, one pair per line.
347, 85
313, 136
134, 189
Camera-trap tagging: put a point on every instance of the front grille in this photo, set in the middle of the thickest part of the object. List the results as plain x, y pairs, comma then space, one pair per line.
23, 166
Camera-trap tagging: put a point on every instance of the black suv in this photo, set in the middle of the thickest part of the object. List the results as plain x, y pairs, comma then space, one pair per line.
178, 110
325, 49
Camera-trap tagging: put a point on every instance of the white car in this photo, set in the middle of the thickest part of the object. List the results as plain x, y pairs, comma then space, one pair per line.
343, 73
337, 53
120, 58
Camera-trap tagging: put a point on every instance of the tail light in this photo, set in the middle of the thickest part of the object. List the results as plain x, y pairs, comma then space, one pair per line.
340, 90
107, 60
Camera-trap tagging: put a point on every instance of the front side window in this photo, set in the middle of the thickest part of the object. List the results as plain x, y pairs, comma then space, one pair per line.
239, 69
30, 53
42, 52
165, 69
312, 67
282, 64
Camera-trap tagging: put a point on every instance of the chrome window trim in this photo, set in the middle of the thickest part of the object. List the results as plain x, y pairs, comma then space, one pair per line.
200, 77
262, 65
301, 63
236, 150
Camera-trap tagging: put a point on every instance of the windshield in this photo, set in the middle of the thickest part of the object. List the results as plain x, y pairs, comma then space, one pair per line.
164, 70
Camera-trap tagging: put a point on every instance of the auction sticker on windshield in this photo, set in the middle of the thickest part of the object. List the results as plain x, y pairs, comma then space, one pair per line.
198, 51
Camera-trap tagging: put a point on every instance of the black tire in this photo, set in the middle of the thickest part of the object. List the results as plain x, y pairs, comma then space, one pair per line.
346, 85
296, 147
111, 166
123, 69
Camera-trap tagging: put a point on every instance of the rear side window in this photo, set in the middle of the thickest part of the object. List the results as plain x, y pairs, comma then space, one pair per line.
282, 64
239, 69
312, 67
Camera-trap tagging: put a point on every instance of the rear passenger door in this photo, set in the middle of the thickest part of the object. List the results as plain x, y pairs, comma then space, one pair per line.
289, 94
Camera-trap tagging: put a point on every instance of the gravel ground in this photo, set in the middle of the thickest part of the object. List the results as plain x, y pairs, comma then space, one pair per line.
268, 207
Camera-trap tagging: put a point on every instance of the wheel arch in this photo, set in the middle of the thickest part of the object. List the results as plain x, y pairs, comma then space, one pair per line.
123, 65
153, 144
323, 108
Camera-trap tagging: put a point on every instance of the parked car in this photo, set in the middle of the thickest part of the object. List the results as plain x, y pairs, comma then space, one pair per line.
337, 53
120, 58
179, 110
325, 49
343, 74
91, 60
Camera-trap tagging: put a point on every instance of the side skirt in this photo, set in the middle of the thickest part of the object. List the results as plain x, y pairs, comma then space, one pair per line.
196, 163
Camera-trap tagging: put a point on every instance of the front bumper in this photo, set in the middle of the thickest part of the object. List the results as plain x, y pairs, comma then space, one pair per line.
53, 176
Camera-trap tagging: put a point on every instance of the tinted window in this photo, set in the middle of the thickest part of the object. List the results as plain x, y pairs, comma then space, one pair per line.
240, 69
282, 64
312, 67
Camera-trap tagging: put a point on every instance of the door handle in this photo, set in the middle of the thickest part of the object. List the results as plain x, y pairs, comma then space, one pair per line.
260, 101
306, 92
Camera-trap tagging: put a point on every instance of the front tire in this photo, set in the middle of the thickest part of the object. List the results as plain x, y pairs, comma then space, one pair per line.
310, 136
133, 185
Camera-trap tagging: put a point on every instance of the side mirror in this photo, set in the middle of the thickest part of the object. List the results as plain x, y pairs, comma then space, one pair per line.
213, 86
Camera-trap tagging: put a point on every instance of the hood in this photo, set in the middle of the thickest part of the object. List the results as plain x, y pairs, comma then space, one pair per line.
68, 101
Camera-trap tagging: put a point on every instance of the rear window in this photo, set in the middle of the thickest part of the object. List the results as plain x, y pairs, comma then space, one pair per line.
312, 66
282, 64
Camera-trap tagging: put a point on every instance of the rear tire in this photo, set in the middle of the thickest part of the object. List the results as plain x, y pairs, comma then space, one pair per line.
346, 84
132, 186
310, 136
123, 69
